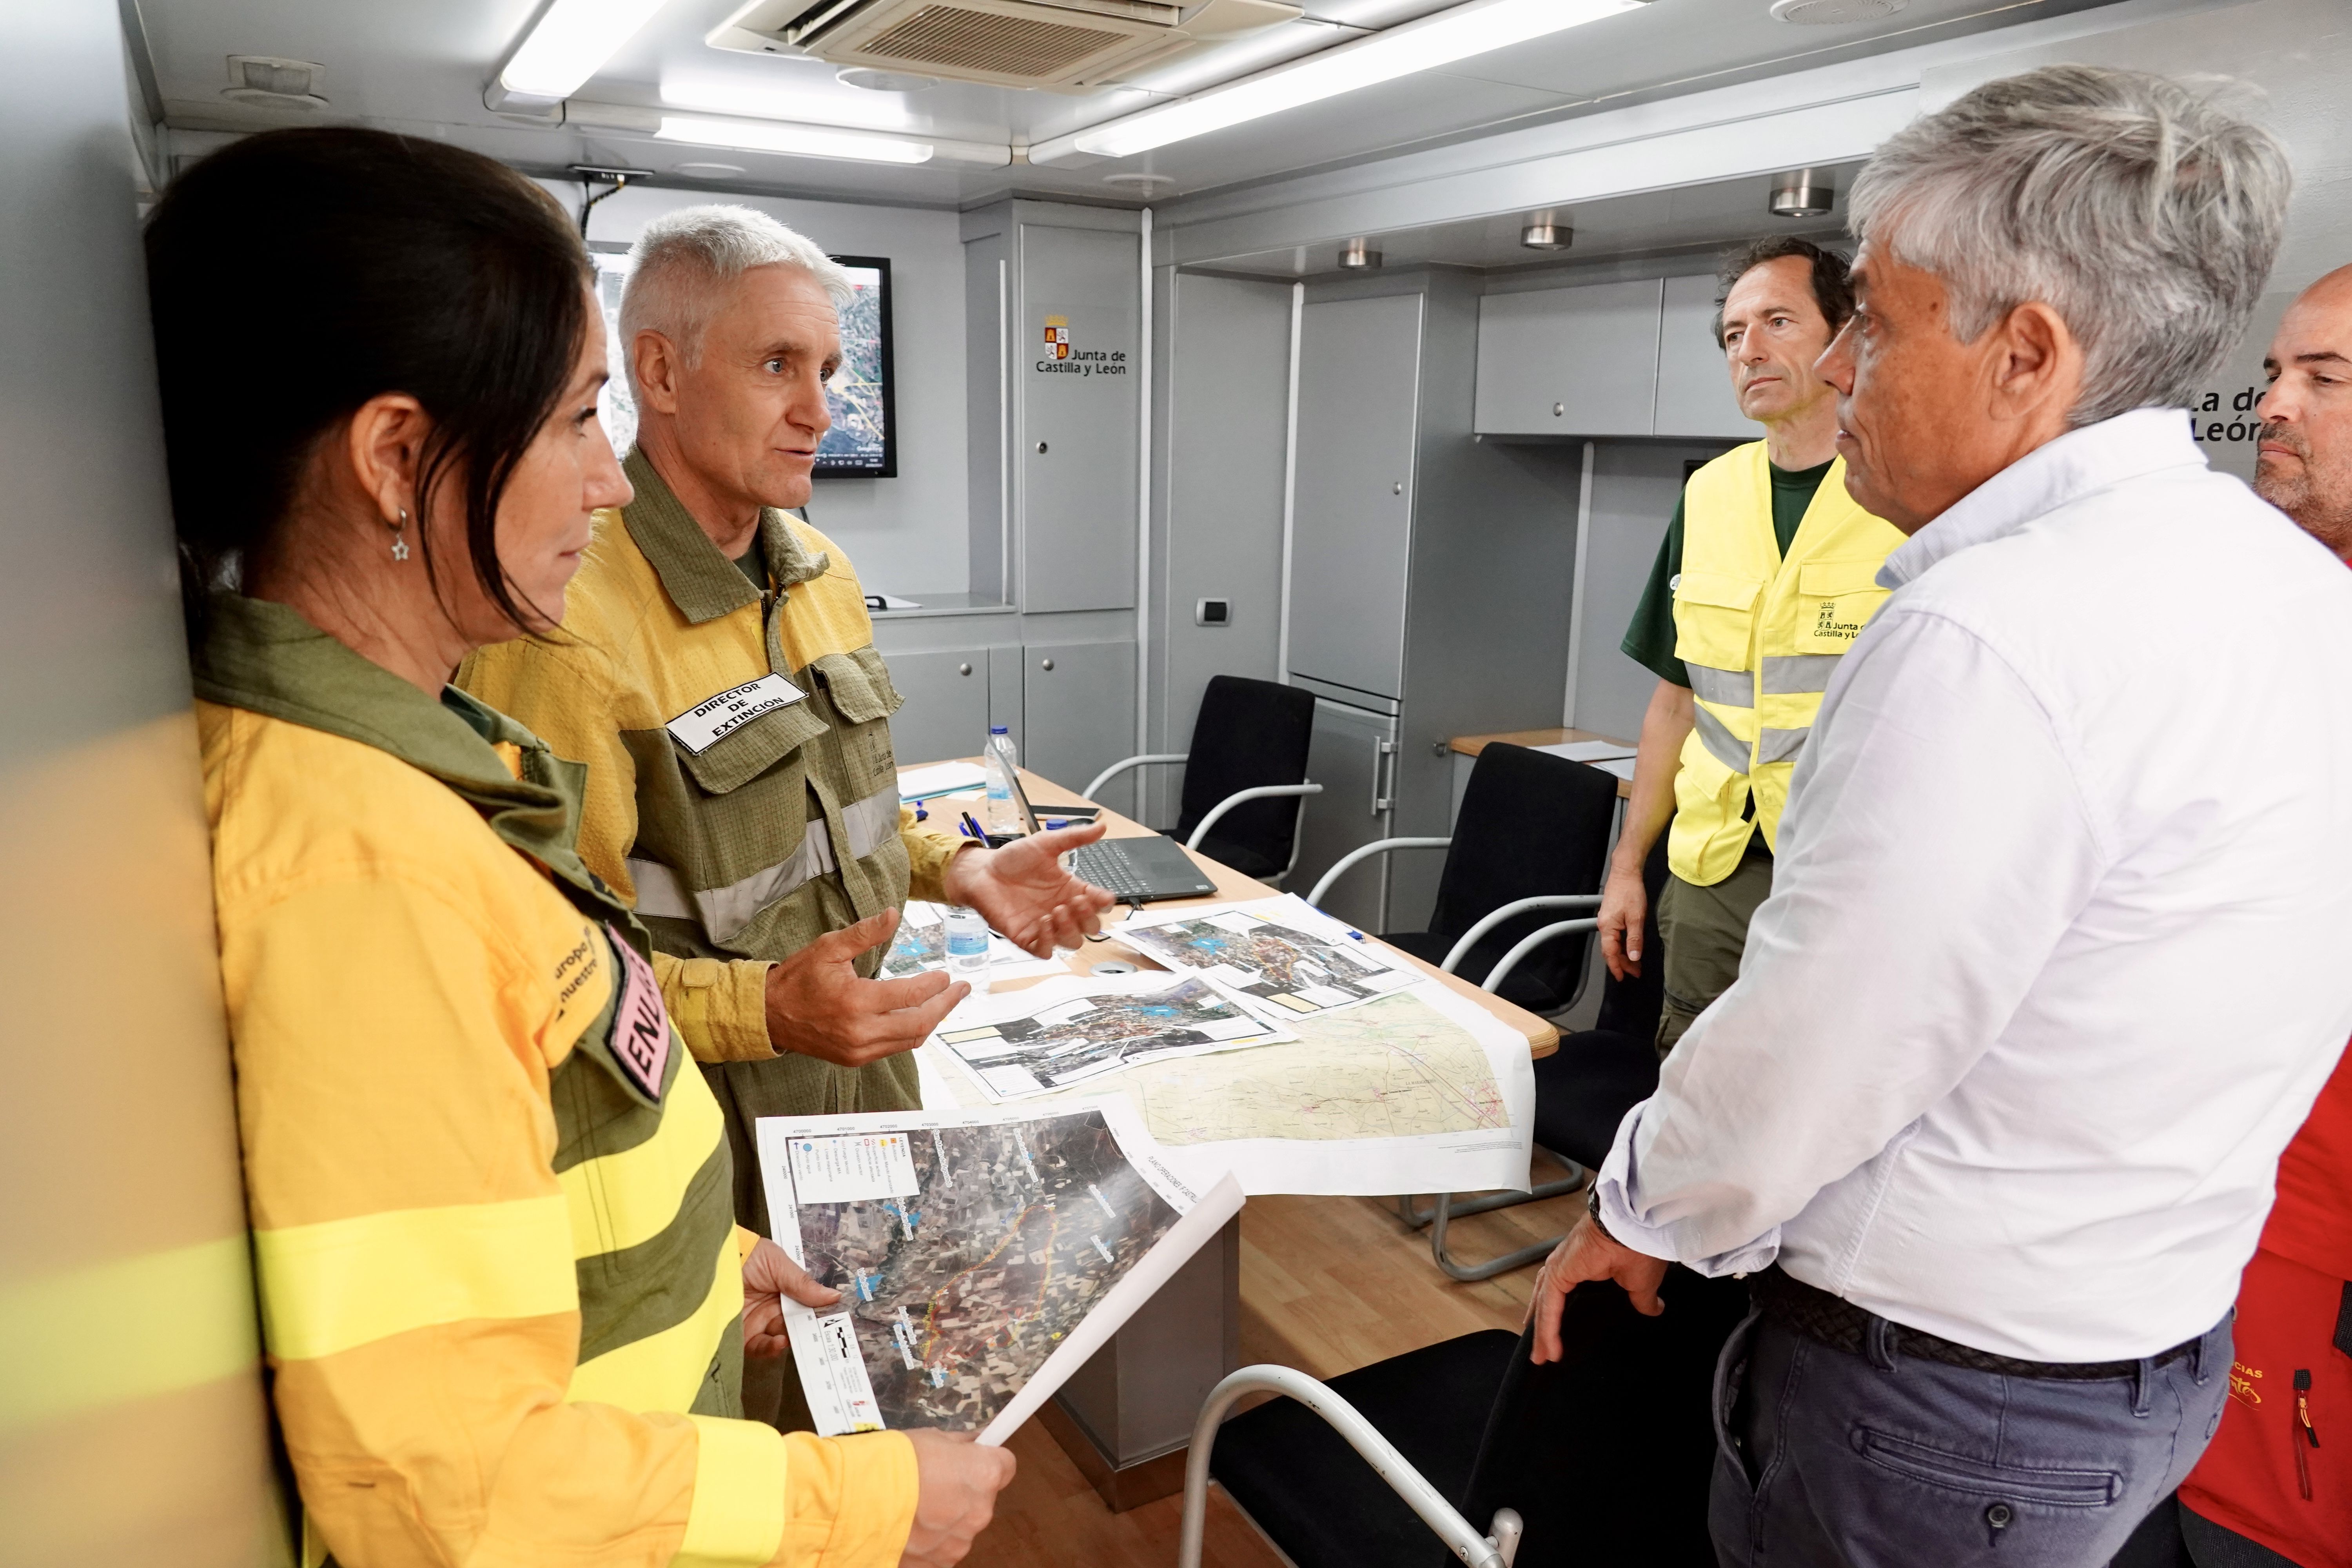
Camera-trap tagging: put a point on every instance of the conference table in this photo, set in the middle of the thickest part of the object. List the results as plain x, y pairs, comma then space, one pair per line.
1127, 1417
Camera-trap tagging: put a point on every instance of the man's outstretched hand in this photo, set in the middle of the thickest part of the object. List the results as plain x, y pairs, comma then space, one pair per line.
1023, 891
1586, 1252
819, 1005
768, 1274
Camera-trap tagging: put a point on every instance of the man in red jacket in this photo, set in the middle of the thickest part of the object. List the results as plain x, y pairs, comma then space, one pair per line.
2275, 1486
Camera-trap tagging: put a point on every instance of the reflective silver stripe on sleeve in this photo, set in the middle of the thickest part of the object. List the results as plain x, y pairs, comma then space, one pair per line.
1799, 674
724, 912
1779, 745
1726, 688
1723, 745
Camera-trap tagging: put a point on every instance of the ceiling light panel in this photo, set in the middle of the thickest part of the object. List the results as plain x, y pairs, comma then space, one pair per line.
571, 41
799, 141
1458, 33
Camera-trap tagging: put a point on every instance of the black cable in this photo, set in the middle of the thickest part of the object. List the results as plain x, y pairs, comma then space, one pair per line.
588, 203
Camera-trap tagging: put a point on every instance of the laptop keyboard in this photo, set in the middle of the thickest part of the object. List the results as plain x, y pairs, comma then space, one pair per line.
1101, 865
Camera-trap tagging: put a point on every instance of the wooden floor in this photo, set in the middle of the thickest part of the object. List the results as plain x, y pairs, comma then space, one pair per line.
1328, 1285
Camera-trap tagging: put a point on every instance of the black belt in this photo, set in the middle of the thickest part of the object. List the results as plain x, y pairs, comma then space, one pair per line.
1838, 1323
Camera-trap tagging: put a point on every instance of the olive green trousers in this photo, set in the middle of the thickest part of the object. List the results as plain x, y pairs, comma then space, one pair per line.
1705, 931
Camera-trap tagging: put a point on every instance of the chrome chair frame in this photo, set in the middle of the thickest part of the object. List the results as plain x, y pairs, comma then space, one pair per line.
1260, 791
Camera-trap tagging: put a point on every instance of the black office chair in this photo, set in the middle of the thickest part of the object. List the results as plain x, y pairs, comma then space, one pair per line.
1248, 755
1603, 1456
1532, 835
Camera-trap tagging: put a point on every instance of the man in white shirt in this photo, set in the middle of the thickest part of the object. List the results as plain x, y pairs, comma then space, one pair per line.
2053, 965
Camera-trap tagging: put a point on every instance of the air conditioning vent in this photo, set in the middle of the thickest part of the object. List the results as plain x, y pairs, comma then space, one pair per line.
950, 38
1068, 46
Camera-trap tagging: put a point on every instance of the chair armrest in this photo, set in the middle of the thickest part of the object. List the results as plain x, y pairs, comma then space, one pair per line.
1457, 1532
1461, 949
1377, 846
1532, 940
1095, 789
1262, 792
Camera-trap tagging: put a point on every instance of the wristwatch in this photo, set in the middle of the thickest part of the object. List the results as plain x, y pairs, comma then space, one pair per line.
1592, 1206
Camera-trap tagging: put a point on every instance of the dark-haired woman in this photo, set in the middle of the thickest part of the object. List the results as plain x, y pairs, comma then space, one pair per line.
504, 1300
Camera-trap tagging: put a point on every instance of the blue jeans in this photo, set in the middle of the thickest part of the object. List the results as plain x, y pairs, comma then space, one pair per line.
1825, 1460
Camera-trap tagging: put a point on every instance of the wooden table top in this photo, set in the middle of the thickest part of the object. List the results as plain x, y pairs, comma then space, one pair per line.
1471, 745
1542, 1036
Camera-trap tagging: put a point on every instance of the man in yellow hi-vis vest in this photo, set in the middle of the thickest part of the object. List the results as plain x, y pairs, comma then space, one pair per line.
1768, 574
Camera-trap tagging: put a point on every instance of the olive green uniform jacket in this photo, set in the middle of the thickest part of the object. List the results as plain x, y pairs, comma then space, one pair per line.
747, 830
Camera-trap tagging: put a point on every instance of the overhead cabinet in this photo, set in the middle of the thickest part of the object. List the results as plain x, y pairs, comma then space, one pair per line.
1605, 359
1052, 364
1570, 361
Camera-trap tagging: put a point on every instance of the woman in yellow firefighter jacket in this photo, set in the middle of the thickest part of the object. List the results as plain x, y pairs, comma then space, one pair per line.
504, 1302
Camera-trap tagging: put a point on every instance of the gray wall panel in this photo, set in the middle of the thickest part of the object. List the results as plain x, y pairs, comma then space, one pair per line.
1226, 403
1358, 383
1634, 486
133, 1424
1076, 448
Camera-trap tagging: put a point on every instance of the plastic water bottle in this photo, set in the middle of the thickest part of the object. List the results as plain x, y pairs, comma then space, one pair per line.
966, 946
1000, 762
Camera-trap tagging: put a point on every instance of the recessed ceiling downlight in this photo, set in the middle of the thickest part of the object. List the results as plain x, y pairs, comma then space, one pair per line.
1801, 193
1833, 12
1356, 256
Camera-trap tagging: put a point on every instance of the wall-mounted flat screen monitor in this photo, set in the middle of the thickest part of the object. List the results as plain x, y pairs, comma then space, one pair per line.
863, 440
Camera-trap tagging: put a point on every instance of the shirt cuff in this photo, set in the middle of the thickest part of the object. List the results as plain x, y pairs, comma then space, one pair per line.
849, 1502
741, 1476
746, 1238
720, 1007
1619, 1186
928, 854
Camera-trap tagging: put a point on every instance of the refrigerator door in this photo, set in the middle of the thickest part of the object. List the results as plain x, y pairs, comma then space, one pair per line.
1353, 757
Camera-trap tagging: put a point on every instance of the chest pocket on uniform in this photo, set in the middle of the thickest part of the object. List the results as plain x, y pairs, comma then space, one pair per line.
1714, 614
736, 759
857, 686
1835, 601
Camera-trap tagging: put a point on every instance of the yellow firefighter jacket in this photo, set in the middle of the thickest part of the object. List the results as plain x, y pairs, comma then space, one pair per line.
1760, 636
500, 1284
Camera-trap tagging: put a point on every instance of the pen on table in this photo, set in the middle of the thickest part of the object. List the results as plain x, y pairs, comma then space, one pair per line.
973, 828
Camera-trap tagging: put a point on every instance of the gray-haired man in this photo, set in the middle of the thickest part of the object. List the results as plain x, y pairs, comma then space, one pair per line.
2051, 971
717, 673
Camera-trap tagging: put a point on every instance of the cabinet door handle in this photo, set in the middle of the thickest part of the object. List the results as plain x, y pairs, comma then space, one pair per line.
1045, 664
1559, 410
963, 669
1397, 488
1381, 752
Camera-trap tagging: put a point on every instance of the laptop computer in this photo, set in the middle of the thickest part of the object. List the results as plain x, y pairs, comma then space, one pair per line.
1132, 870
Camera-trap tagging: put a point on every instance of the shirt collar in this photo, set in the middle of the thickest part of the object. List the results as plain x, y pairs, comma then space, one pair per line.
2144, 441
703, 583
265, 658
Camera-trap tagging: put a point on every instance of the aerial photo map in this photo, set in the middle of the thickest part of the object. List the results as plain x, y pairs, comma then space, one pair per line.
1279, 950
858, 393
1059, 1033
964, 1253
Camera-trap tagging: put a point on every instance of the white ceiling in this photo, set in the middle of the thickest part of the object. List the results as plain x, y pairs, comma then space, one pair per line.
422, 65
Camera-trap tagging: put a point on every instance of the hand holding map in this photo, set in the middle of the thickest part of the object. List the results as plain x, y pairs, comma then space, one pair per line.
982, 1258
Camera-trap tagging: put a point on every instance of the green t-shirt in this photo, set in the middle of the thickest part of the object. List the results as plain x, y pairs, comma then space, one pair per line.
1650, 640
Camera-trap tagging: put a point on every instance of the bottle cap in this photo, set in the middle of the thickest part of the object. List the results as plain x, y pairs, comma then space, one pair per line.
999, 730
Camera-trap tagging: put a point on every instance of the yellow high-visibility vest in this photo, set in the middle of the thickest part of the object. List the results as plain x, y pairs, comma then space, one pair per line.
1761, 635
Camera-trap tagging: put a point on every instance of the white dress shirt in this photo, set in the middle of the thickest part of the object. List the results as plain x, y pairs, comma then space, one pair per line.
2059, 950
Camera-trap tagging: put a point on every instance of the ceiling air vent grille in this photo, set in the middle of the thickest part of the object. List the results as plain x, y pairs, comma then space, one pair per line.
957, 39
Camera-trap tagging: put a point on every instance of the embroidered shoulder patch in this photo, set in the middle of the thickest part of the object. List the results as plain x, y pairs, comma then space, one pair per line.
640, 1026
